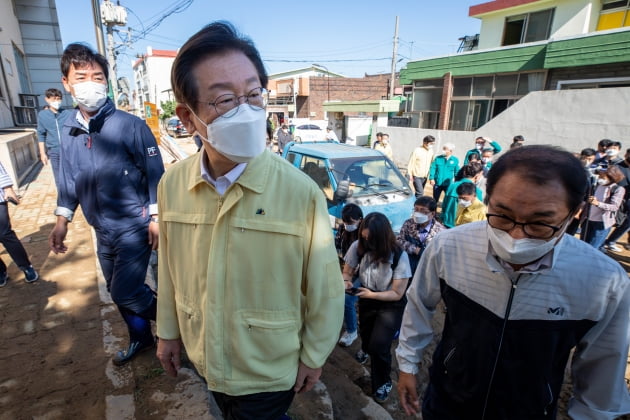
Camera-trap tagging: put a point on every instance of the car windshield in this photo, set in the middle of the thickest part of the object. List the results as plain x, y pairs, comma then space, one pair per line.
369, 175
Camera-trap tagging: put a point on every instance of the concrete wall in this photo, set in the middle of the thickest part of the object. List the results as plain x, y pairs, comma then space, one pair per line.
571, 17
18, 153
573, 119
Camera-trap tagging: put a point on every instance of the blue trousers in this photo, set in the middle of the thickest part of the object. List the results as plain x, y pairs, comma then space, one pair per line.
53, 159
350, 310
124, 257
594, 233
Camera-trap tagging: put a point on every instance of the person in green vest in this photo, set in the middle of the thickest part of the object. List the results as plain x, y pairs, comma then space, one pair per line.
472, 173
443, 170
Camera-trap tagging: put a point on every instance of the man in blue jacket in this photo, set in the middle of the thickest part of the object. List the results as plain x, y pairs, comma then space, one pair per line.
49, 123
110, 165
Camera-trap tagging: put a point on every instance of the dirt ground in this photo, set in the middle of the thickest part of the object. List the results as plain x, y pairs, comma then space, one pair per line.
57, 337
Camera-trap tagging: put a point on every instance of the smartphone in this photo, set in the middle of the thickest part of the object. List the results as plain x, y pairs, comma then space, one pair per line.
352, 291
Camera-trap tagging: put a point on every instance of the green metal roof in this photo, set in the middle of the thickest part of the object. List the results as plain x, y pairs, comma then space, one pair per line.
598, 48
587, 51
504, 60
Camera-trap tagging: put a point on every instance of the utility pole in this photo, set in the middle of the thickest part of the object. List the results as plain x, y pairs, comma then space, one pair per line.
100, 40
111, 16
394, 55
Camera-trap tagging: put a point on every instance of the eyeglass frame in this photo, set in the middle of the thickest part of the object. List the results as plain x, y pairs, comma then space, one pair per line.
237, 101
523, 226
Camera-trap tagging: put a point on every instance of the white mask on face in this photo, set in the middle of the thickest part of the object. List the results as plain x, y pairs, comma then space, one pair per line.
612, 152
55, 104
350, 228
602, 181
420, 218
90, 95
519, 251
478, 146
239, 138
465, 203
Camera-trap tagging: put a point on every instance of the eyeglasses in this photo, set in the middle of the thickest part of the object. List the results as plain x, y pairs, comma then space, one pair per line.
227, 105
536, 230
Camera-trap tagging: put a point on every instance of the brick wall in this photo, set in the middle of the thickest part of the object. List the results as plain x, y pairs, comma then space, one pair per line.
342, 89
445, 108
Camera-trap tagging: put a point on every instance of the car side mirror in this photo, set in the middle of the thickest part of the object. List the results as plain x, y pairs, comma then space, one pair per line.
343, 190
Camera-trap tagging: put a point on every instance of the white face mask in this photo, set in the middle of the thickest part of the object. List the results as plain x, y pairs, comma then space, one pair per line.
420, 218
239, 138
602, 181
519, 251
612, 152
350, 228
486, 159
55, 104
465, 203
90, 95
478, 146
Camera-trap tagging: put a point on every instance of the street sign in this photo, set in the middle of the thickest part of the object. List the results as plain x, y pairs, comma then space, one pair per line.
151, 118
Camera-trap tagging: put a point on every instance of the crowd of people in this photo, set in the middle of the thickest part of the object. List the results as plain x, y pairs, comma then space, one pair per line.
259, 326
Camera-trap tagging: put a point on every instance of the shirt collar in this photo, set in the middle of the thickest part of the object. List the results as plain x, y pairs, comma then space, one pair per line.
223, 182
82, 121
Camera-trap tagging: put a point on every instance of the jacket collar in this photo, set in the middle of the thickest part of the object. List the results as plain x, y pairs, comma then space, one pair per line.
97, 121
253, 178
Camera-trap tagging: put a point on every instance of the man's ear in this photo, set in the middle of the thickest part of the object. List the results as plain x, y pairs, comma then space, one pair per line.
66, 85
186, 117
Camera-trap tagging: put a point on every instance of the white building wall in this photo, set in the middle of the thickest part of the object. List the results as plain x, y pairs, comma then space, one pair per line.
9, 81
573, 119
159, 78
571, 17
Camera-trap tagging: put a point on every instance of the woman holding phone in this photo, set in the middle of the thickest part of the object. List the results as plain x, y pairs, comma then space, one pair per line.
383, 270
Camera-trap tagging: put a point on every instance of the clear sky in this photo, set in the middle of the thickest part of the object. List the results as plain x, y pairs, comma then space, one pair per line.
346, 36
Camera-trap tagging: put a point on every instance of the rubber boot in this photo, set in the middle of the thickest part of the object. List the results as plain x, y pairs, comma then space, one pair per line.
140, 337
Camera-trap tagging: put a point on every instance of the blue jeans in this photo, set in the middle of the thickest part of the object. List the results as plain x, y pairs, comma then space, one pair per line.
53, 159
594, 233
350, 310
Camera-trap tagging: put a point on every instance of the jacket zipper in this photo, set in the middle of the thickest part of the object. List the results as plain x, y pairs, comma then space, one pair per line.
496, 360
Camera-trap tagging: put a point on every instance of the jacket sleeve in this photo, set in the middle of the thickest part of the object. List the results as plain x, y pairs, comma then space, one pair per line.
149, 159
432, 169
495, 146
600, 361
614, 201
324, 290
166, 321
404, 232
423, 296
410, 165
67, 201
41, 130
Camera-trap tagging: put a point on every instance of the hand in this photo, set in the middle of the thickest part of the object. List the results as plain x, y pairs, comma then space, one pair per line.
57, 236
364, 293
169, 354
10, 193
154, 235
306, 378
407, 393
593, 200
44, 159
432, 182
347, 284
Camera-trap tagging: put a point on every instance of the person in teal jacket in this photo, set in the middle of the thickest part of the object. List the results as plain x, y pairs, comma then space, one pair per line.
471, 173
443, 170
481, 143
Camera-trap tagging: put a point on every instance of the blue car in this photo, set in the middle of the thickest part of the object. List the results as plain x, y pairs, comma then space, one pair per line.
354, 174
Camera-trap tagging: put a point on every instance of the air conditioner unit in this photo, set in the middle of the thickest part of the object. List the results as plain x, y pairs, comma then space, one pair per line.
313, 114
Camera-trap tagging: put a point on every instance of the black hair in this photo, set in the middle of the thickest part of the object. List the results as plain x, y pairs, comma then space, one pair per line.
52, 93
426, 201
81, 56
615, 144
604, 143
215, 38
351, 211
428, 139
472, 169
466, 188
381, 239
588, 152
540, 164
518, 138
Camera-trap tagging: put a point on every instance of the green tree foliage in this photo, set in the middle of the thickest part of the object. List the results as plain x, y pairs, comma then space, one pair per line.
168, 109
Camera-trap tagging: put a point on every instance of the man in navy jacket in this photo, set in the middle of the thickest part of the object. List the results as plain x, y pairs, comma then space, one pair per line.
110, 165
